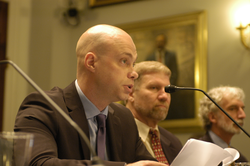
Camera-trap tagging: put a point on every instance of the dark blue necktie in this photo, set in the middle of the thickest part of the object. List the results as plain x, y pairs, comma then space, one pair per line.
101, 135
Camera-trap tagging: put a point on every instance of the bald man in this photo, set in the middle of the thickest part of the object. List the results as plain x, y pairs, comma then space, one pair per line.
105, 74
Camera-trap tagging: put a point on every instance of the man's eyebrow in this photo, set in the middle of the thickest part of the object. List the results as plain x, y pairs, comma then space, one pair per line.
235, 105
129, 55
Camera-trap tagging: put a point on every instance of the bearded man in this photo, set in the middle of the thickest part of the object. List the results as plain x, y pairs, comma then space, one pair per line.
219, 128
149, 103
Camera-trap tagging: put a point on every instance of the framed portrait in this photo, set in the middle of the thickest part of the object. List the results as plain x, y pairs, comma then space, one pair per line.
186, 40
96, 3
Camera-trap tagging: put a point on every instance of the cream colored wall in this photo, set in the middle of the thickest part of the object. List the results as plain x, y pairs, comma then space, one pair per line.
45, 48
18, 39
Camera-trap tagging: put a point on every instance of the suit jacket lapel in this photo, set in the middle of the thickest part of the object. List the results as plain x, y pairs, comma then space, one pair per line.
167, 148
114, 133
76, 112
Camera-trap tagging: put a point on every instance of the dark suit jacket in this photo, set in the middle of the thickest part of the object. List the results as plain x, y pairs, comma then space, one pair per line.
207, 138
170, 62
171, 145
57, 143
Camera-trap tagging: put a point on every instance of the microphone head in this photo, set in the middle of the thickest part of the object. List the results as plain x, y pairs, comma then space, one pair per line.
170, 88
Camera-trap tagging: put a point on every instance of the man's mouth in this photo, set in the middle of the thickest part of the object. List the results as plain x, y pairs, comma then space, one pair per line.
130, 86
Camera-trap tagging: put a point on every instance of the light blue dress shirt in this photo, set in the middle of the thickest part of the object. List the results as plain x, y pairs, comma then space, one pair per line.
217, 140
91, 111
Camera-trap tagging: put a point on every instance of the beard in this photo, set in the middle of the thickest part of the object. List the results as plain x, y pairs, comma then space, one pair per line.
230, 128
156, 113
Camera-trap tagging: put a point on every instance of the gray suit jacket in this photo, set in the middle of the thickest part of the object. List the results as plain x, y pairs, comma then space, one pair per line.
57, 143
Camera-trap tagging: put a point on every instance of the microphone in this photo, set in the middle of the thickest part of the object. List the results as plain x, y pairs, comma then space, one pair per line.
96, 160
173, 88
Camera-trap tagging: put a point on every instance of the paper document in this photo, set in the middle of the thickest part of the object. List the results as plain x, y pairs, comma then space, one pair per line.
201, 153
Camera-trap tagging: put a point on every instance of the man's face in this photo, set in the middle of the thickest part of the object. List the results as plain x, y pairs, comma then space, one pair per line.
115, 70
151, 102
235, 108
160, 42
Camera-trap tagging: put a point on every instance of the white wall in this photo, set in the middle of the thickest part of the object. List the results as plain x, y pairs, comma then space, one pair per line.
45, 48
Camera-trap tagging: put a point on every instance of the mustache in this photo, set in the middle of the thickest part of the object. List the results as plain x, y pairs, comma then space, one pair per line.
163, 104
240, 121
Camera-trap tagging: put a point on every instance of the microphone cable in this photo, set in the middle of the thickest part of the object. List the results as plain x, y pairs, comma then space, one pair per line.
96, 160
173, 88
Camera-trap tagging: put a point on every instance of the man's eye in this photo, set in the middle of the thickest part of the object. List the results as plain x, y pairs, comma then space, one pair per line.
232, 108
124, 61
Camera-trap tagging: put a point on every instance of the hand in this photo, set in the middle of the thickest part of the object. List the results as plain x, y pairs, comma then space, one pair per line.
146, 163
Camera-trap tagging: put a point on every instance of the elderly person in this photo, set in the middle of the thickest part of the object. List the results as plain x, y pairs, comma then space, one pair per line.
219, 128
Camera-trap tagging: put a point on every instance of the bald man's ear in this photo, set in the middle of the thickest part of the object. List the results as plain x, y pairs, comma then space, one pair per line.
90, 61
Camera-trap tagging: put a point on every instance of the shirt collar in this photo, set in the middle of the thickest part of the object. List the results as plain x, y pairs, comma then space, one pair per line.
144, 129
217, 140
90, 109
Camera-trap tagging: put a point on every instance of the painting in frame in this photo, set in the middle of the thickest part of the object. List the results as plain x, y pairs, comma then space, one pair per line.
97, 3
187, 38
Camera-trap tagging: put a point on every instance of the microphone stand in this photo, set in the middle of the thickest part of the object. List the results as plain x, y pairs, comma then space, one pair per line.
172, 88
96, 160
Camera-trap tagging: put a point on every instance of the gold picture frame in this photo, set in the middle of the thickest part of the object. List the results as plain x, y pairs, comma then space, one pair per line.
187, 37
96, 3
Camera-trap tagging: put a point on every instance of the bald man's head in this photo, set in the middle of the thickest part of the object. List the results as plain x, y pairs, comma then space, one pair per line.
105, 60
100, 40
97, 38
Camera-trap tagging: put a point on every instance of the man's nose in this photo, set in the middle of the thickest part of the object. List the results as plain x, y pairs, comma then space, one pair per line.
163, 94
133, 75
241, 114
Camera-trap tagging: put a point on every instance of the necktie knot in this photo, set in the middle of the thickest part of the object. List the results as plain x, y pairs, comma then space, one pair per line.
101, 119
153, 132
